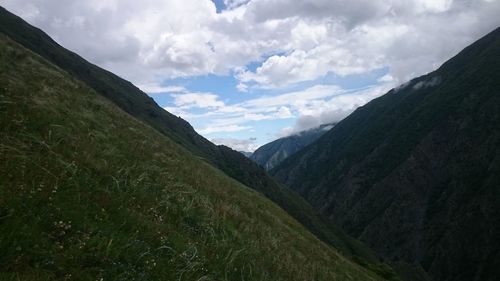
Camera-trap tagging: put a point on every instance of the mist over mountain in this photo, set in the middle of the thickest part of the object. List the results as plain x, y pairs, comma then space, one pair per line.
416, 172
246, 153
273, 153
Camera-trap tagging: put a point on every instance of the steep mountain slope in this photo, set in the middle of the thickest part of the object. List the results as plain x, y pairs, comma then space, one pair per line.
273, 153
416, 172
246, 153
91, 193
133, 101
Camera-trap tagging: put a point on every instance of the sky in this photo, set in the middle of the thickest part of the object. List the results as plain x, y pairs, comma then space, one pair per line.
246, 72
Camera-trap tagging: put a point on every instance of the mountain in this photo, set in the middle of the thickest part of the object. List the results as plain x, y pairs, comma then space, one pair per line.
98, 181
91, 193
140, 106
416, 173
273, 153
246, 153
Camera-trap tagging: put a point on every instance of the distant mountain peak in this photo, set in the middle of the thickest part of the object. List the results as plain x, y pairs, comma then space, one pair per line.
246, 153
273, 153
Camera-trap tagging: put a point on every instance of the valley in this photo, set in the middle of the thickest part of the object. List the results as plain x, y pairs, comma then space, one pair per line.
100, 180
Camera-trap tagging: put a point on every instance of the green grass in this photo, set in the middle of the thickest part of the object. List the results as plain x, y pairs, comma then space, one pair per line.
133, 101
90, 193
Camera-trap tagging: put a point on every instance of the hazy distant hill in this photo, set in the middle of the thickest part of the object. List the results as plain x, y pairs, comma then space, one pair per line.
246, 153
271, 154
416, 172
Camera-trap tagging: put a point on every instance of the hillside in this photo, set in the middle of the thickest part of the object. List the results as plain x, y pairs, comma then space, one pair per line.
273, 153
136, 103
416, 172
246, 153
91, 193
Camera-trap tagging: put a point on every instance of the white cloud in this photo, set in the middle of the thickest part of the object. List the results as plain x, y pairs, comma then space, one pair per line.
333, 109
236, 117
386, 78
410, 38
311, 107
285, 132
360, 51
245, 145
223, 128
145, 40
242, 87
200, 100
154, 88
293, 41
433, 6
284, 113
178, 112
278, 71
434, 81
296, 98
231, 4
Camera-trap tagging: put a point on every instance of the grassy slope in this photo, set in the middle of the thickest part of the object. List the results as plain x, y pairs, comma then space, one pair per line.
88, 192
133, 101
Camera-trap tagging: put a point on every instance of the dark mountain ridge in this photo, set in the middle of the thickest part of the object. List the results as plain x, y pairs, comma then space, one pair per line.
416, 172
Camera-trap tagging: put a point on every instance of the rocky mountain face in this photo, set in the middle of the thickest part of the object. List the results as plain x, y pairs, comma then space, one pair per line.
273, 153
416, 172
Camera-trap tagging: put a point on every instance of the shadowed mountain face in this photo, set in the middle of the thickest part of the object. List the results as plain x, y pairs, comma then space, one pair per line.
416, 172
273, 153
137, 104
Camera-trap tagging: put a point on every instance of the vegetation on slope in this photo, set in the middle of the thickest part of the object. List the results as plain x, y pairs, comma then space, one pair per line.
90, 193
133, 101
416, 172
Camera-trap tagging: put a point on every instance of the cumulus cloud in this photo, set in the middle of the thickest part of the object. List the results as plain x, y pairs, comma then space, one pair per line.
245, 145
283, 106
148, 40
200, 100
224, 128
331, 110
154, 88
295, 98
268, 46
284, 112
311, 107
231, 4
235, 117
411, 37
